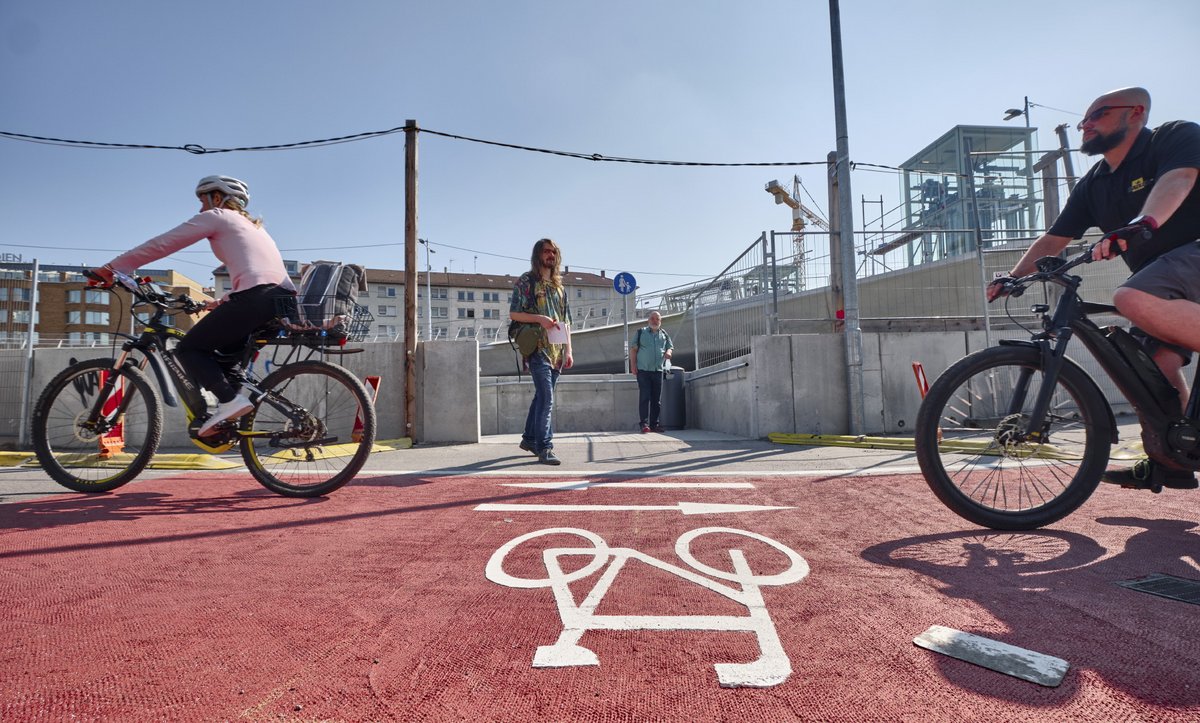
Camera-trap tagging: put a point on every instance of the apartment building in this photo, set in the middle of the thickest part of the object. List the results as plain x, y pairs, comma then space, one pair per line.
68, 313
463, 306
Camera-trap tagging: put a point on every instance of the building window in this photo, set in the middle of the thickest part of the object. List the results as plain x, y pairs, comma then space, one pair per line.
466, 313
492, 296
387, 310
439, 312
17, 293
491, 313
466, 295
438, 294
96, 317
469, 332
74, 296
386, 292
74, 317
96, 297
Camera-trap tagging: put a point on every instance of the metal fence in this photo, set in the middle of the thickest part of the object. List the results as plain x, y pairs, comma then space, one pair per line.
781, 283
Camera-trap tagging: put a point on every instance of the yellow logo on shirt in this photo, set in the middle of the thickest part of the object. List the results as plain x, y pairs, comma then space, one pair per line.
1137, 184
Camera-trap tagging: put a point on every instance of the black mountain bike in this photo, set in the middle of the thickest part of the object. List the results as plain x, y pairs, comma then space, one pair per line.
1017, 436
99, 422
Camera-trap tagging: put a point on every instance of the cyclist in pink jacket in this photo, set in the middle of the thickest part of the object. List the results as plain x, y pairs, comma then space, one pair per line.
259, 280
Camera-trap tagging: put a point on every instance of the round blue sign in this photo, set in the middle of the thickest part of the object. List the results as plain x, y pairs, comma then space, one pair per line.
624, 283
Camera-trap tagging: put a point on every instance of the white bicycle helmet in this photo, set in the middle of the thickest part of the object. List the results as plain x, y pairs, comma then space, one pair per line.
231, 187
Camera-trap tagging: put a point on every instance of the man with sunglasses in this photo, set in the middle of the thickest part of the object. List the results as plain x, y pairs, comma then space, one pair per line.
1143, 195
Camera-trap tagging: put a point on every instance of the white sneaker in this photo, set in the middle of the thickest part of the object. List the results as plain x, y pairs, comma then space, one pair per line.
226, 411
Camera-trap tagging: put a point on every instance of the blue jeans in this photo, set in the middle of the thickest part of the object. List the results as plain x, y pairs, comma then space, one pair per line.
649, 397
539, 427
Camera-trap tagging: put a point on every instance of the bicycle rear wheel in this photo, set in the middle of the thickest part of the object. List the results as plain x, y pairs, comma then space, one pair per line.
311, 432
117, 447
971, 445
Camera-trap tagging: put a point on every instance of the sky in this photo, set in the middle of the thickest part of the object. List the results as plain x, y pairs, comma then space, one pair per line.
680, 80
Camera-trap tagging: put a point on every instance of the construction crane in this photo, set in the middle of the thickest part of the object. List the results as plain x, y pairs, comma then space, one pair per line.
801, 215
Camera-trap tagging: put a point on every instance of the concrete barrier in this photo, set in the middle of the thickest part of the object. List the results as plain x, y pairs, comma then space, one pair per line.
788, 384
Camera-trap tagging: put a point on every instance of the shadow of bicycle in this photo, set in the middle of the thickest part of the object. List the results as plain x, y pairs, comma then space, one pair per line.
1055, 593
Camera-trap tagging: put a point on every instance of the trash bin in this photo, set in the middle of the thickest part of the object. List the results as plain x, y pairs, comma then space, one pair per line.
674, 404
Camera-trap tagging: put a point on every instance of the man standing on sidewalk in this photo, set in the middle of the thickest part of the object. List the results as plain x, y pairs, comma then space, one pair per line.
539, 303
649, 355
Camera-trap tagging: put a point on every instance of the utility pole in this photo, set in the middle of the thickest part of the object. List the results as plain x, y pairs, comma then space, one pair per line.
853, 333
410, 278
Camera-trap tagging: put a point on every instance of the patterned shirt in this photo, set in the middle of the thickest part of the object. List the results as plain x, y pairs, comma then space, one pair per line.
531, 295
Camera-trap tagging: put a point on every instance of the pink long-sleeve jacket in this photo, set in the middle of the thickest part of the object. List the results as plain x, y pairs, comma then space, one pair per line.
247, 250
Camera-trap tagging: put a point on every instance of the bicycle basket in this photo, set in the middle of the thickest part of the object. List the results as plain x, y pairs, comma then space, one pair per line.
328, 319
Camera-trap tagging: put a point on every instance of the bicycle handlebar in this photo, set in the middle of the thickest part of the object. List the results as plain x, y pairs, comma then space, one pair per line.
1049, 268
146, 291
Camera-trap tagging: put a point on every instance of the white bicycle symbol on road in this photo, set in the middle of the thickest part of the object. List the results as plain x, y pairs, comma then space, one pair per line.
772, 666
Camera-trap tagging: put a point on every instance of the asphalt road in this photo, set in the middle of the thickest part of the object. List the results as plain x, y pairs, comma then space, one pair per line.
683, 577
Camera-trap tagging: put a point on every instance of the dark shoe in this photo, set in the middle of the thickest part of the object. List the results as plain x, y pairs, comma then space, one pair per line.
659, 428
645, 429
527, 447
1146, 475
547, 457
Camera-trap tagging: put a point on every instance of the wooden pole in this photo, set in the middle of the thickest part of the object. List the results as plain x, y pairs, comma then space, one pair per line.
410, 278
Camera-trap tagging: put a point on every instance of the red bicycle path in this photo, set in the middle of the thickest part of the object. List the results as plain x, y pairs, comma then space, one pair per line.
199, 596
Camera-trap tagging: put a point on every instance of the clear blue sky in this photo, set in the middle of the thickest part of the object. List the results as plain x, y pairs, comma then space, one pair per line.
690, 80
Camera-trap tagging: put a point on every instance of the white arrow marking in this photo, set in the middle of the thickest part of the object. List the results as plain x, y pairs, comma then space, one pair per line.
687, 508
585, 484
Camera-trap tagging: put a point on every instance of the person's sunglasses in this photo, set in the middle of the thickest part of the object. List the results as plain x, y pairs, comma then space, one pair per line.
1100, 112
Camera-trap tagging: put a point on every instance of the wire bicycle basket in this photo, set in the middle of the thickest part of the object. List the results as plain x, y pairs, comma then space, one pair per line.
328, 319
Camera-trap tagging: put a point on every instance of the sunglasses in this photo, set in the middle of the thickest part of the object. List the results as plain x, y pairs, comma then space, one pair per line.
1100, 113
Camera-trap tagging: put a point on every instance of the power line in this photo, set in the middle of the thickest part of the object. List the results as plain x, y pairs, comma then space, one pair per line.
198, 149
576, 266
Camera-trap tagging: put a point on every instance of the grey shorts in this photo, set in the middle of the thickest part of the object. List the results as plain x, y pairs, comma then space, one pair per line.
1174, 275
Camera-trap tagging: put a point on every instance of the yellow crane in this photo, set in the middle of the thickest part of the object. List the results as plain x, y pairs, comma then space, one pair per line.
801, 215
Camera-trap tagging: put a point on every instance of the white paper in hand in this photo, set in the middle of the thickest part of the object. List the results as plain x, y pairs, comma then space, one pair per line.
557, 334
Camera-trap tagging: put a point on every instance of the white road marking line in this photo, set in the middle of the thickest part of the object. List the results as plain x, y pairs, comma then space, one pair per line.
687, 508
582, 485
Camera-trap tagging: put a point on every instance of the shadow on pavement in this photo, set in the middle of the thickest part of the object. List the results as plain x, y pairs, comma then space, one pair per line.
1056, 593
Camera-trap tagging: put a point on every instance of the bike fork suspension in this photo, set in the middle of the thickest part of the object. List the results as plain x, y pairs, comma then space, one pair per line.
1052, 362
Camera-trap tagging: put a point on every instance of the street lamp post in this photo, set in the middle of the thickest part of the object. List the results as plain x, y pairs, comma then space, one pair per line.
1009, 115
428, 287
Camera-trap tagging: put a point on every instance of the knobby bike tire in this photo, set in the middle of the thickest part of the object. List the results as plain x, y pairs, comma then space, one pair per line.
327, 449
74, 457
975, 466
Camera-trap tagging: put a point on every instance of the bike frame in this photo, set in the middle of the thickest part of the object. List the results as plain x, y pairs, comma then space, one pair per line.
1165, 428
170, 376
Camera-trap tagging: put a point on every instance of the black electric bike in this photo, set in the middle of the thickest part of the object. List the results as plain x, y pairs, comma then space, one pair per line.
1017, 436
98, 423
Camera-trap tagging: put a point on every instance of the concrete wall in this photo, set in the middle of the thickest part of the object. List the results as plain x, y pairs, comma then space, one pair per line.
383, 360
793, 383
797, 383
582, 403
448, 391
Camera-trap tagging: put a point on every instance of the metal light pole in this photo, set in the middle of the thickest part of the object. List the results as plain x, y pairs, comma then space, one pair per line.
854, 359
428, 286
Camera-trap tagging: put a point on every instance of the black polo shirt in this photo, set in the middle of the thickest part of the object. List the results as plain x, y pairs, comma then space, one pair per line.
1111, 199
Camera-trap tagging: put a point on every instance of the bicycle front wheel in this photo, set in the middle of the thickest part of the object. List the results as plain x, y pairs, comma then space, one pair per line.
975, 455
97, 454
311, 432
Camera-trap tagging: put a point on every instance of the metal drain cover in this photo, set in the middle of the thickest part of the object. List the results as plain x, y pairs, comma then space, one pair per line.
1168, 586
